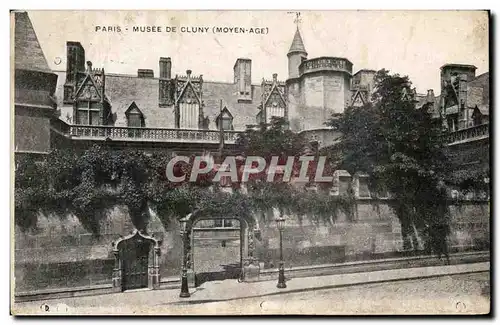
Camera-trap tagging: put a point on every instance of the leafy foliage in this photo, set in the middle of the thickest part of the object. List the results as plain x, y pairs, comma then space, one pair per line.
402, 148
90, 183
271, 140
277, 140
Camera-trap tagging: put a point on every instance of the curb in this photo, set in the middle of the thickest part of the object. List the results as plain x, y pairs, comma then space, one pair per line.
325, 287
266, 275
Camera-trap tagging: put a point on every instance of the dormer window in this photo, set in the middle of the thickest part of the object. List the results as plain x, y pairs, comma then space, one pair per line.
135, 118
88, 113
227, 123
226, 118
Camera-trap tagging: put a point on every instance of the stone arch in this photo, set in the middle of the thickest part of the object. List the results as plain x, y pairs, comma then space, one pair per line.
249, 263
153, 258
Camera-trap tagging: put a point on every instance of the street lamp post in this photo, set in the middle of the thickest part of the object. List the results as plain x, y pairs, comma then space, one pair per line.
281, 277
184, 279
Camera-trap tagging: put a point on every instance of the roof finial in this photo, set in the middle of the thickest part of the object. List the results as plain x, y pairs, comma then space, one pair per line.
297, 43
297, 19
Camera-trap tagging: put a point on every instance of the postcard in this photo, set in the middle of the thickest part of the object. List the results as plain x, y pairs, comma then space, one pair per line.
250, 162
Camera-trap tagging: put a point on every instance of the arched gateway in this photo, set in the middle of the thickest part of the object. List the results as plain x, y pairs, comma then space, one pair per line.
136, 262
249, 265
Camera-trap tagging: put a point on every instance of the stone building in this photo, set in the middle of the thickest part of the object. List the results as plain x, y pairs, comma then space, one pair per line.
83, 105
102, 105
34, 90
147, 111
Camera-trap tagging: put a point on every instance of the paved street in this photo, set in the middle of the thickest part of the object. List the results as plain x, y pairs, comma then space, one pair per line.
455, 294
444, 289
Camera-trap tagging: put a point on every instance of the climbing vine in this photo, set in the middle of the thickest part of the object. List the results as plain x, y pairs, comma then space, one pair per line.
90, 183
403, 150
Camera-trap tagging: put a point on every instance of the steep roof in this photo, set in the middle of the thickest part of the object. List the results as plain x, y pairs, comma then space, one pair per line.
28, 53
484, 109
297, 43
365, 70
244, 113
478, 91
458, 65
123, 90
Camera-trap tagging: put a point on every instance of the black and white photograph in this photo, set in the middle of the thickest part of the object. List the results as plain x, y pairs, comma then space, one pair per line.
250, 162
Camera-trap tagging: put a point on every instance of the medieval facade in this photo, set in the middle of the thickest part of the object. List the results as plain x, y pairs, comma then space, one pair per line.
83, 105
95, 106
313, 90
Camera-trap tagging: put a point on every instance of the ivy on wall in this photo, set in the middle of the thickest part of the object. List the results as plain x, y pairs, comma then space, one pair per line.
90, 183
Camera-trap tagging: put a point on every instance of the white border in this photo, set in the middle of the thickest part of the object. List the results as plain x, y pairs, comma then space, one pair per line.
185, 4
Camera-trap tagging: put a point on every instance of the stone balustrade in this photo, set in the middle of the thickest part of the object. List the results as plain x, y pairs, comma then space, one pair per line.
474, 133
326, 63
98, 132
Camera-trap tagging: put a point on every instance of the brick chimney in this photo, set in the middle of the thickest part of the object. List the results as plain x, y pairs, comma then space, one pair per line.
165, 68
145, 73
243, 79
430, 95
165, 84
75, 60
75, 64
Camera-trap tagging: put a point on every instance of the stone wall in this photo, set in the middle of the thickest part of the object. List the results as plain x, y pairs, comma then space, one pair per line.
31, 131
61, 253
470, 226
374, 230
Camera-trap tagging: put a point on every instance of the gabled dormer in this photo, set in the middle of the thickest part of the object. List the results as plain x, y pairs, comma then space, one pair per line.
188, 101
273, 99
358, 99
408, 94
134, 115
226, 118
90, 104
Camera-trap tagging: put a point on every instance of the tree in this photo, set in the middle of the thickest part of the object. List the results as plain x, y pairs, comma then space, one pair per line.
276, 139
402, 148
269, 140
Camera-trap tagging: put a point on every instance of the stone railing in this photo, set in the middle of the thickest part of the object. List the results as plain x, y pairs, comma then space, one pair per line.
97, 132
469, 134
325, 63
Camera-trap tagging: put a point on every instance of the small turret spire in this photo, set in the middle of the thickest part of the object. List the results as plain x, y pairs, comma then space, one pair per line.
297, 43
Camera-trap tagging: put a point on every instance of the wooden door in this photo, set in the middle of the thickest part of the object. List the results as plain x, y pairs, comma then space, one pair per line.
135, 264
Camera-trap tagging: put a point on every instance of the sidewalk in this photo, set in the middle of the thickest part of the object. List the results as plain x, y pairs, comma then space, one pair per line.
227, 290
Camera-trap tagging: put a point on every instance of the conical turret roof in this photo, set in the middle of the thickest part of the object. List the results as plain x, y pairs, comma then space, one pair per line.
297, 43
27, 51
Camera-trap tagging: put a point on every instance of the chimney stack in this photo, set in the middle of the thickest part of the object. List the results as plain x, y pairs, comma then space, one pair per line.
275, 77
430, 95
145, 73
75, 60
243, 79
165, 68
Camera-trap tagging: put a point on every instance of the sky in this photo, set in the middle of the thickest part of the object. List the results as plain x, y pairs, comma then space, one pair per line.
413, 43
